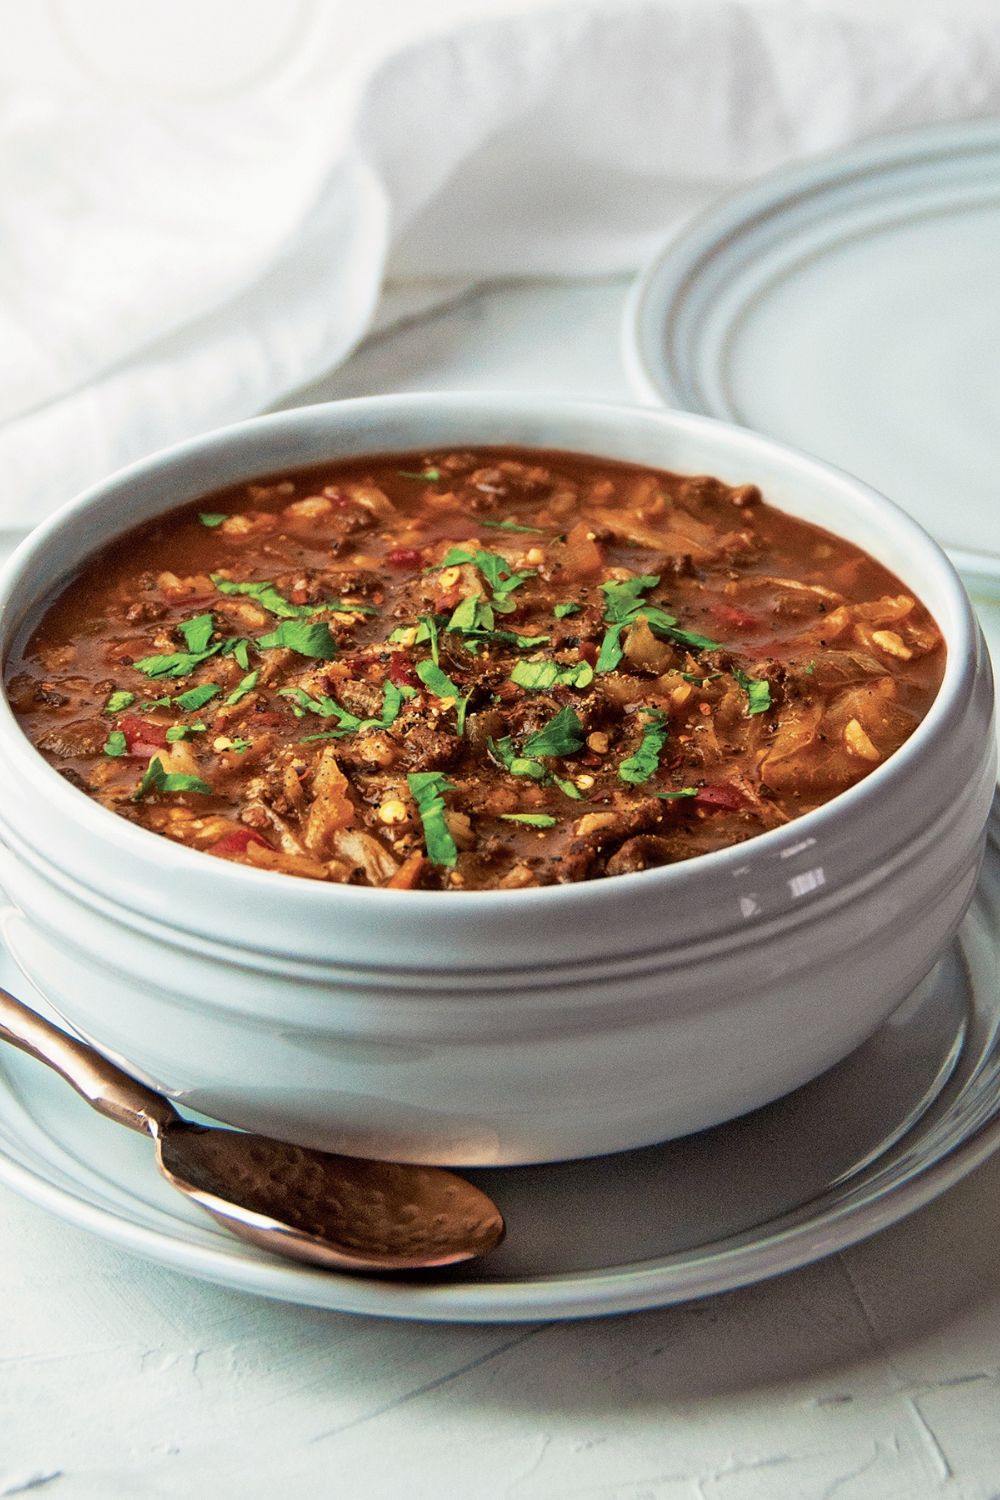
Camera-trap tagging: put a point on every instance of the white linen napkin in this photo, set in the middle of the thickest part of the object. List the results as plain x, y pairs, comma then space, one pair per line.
179, 249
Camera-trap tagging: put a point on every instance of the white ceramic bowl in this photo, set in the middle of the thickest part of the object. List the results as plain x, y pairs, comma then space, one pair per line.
510, 1026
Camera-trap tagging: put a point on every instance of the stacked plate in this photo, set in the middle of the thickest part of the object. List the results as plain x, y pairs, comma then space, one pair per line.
851, 307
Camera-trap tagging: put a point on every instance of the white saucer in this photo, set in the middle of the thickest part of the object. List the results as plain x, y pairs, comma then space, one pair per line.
901, 1120
849, 306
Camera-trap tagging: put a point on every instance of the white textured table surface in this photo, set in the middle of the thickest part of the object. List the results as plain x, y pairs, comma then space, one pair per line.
870, 1376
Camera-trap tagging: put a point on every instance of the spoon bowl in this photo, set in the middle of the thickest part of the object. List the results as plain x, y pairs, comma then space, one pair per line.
340, 1212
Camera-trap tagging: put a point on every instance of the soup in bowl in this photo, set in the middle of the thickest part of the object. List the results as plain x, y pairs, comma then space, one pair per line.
466, 779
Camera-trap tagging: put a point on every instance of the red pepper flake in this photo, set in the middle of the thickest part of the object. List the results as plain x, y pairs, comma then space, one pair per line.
400, 670
142, 738
237, 842
722, 795
403, 557
739, 619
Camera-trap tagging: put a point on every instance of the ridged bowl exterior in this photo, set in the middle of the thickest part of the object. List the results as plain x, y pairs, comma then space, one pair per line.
511, 1026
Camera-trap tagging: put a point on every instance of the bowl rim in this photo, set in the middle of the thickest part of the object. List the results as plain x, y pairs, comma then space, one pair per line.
174, 858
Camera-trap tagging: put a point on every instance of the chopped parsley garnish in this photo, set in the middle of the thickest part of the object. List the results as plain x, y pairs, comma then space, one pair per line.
427, 789
498, 572
439, 682
238, 745
684, 791
504, 754
624, 607
308, 640
175, 663
239, 650
328, 708
184, 731
197, 632
212, 517
117, 702
569, 608
507, 637
567, 788
247, 685
539, 676
562, 735
115, 744
431, 475
473, 614
533, 820
267, 596
640, 766
758, 691
197, 697
511, 526
157, 779
430, 626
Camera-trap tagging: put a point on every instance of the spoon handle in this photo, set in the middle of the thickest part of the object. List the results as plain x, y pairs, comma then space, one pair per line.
104, 1086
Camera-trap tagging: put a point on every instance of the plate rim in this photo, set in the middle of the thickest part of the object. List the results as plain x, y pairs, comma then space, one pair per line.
661, 284
679, 1277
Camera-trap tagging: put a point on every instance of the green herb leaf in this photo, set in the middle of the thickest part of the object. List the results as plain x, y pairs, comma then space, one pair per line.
685, 791
266, 595
498, 572
115, 744
308, 640
247, 685
401, 636
238, 745
504, 754
611, 651
118, 701
184, 731
511, 526
176, 663
568, 789
473, 614
690, 638
758, 691
640, 766
157, 779
430, 626
562, 735
439, 682
463, 708
197, 632
570, 608
427, 789
212, 517
328, 708
431, 475
622, 599
197, 697
507, 637
533, 820
539, 676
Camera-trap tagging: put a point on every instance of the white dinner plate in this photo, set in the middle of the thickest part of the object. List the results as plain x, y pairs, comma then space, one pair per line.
900, 1120
849, 306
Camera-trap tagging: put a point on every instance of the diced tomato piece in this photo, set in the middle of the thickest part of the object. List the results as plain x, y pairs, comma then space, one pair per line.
403, 557
722, 795
401, 670
142, 738
739, 619
237, 841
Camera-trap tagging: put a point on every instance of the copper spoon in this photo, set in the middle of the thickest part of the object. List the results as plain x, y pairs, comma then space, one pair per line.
341, 1212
